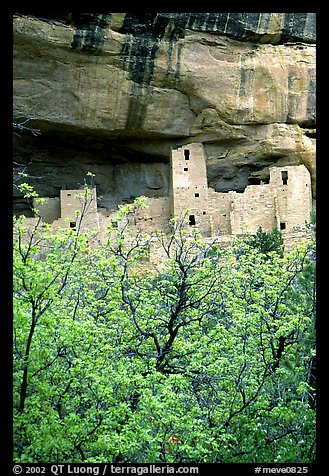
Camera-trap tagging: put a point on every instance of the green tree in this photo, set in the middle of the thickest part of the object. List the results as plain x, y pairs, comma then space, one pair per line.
211, 358
267, 241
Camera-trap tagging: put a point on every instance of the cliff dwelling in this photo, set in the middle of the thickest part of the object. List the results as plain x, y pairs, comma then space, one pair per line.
119, 94
285, 202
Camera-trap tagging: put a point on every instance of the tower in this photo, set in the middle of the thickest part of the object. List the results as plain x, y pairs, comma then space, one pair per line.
293, 196
189, 187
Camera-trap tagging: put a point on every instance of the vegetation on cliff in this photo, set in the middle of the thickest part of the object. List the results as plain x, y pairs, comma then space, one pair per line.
209, 359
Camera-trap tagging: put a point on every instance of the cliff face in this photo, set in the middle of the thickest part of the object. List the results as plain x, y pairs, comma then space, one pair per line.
112, 93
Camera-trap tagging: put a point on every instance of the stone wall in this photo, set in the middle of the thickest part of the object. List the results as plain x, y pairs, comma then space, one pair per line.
285, 203
291, 186
155, 216
219, 206
295, 237
252, 209
70, 208
114, 92
190, 187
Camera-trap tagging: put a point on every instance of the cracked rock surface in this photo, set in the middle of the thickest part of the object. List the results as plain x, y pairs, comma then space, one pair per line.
113, 93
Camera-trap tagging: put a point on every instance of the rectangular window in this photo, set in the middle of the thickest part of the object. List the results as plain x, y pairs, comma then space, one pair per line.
185, 169
254, 181
191, 220
187, 154
284, 176
282, 225
197, 195
73, 224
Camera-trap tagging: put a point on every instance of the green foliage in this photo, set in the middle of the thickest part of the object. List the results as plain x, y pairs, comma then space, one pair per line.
267, 242
209, 360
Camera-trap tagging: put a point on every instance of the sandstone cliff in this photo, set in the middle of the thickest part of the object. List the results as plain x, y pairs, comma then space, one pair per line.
112, 93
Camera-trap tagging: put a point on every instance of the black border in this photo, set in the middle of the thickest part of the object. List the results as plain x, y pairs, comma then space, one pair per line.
7, 211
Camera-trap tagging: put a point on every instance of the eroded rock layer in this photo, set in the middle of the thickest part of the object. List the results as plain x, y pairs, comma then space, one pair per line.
113, 93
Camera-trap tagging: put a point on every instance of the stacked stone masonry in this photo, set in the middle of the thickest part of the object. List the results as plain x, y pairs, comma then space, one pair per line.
284, 203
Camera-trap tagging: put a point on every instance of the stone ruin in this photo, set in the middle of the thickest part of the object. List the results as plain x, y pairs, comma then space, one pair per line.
285, 203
